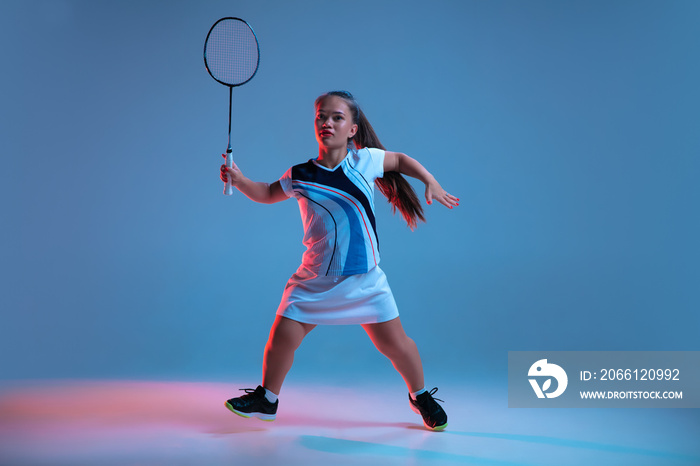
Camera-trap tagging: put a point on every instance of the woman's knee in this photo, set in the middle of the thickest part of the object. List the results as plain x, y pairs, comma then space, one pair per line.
395, 347
287, 334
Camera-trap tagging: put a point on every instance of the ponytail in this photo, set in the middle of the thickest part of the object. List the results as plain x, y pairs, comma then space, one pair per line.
392, 185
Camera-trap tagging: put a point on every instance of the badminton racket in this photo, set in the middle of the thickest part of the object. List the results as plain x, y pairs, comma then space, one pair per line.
231, 56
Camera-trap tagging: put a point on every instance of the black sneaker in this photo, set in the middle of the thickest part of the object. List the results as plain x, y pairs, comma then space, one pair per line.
253, 404
434, 416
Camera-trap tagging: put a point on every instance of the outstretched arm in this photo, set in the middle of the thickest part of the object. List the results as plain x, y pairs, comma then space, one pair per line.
402, 163
265, 193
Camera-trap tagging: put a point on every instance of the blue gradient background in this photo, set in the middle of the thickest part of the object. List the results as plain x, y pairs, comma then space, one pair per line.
568, 129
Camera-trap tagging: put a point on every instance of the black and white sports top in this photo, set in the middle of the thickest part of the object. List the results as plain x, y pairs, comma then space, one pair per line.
337, 209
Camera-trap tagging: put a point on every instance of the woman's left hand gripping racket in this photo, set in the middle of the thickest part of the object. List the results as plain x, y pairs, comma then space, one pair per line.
232, 56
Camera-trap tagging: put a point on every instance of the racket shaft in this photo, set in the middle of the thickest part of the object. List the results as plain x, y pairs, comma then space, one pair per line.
228, 189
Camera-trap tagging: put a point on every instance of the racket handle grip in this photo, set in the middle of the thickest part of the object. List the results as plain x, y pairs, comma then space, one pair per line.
228, 189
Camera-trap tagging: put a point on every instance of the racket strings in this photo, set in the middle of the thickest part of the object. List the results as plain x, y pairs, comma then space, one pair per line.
232, 52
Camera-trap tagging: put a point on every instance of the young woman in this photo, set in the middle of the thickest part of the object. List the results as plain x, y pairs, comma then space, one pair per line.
339, 280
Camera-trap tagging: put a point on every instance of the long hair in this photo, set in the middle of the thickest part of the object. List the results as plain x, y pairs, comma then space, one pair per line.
392, 185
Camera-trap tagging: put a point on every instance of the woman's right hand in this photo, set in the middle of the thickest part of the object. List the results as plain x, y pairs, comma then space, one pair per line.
233, 174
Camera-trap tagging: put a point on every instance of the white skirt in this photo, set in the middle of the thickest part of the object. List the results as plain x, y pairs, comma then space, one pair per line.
350, 299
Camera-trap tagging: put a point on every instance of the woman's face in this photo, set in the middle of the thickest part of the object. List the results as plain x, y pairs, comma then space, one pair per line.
334, 125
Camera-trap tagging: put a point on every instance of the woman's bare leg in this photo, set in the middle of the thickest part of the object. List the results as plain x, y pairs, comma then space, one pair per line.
285, 337
391, 340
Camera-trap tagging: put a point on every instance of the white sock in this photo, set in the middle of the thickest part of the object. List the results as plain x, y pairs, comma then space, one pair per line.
271, 397
416, 393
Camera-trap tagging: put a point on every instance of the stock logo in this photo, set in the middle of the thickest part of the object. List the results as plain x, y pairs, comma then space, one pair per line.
543, 369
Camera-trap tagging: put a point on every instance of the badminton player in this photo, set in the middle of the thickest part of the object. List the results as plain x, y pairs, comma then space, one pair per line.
339, 281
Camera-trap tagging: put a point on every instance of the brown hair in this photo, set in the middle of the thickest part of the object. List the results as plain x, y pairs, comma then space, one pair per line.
393, 185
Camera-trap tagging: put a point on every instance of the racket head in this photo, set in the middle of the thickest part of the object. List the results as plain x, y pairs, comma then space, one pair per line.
231, 52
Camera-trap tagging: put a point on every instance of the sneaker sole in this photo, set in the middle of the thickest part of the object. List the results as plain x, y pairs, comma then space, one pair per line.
261, 416
434, 429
